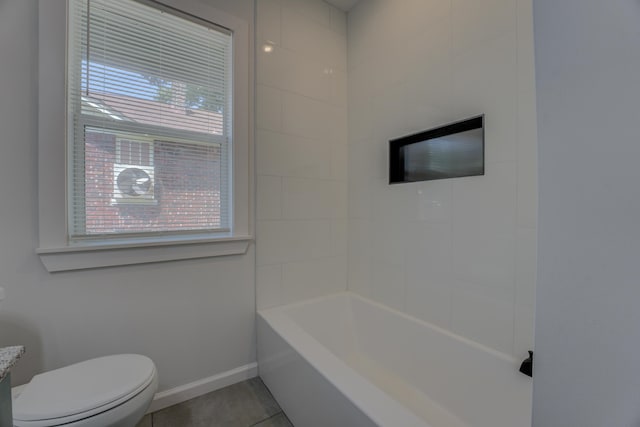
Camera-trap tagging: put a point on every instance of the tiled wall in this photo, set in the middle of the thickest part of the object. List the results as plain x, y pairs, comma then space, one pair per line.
301, 150
460, 253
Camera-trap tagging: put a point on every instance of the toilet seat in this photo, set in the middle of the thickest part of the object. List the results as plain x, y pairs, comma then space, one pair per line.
83, 390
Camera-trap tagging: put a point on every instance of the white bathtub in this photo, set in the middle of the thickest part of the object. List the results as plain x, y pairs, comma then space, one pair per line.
346, 361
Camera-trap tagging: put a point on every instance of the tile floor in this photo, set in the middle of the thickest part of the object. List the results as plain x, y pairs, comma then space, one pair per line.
245, 404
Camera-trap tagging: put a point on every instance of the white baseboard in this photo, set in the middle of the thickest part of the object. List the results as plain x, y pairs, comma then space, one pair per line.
182, 393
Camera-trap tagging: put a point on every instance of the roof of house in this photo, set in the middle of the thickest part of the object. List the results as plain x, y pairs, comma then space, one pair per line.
150, 112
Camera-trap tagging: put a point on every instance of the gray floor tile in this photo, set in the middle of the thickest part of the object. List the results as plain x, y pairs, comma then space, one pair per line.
239, 405
145, 422
278, 420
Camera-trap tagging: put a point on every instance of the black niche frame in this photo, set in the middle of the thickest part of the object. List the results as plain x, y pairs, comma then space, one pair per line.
396, 154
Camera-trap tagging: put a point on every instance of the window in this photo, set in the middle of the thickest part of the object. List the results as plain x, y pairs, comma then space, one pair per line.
157, 129
149, 101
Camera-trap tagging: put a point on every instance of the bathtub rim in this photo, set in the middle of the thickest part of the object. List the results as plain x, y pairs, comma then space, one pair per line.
508, 358
373, 402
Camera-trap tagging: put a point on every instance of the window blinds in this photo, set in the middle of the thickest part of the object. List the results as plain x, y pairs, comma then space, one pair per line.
149, 121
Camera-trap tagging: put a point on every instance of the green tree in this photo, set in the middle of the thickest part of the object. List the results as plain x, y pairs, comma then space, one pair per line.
187, 95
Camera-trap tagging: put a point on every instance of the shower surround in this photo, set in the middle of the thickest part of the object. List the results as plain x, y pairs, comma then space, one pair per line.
458, 255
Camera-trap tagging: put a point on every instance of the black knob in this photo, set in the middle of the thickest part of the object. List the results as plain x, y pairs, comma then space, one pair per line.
527, 366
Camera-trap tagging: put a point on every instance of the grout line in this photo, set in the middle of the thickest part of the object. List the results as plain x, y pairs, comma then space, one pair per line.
304, 138
339, 181
302, 95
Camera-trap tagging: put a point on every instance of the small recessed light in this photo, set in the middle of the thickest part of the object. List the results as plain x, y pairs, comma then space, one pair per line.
267, 48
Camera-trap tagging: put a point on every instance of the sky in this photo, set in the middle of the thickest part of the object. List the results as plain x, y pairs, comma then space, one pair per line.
103, 78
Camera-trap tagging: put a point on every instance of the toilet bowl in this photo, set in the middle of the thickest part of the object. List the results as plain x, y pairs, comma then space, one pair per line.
111, 391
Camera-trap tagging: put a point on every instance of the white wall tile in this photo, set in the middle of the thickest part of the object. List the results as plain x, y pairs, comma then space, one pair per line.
525, 293
484, 213
392, 204
428, 251
527, 183
287, 241
388, 283
339, 22
268, 22
287, 155
370, 26
312, 198
339, 236
482, 318
360, 194
269, 197
367, 159
527, 129
362, 23
387, 118
269, 286
311, 40
313, 278
484, 82
283, 69
339, 162
526, 267
338, 87
428, 255
433, 201
360, 233
414, 24
428, 61
268, 108
359, 106
360, 275
473, 22
388, 243
524, 331
430, 104
316, 10
429, 299
301, 151
422, 55
312, 118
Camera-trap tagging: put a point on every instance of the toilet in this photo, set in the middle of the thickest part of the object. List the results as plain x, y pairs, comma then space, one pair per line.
111, 391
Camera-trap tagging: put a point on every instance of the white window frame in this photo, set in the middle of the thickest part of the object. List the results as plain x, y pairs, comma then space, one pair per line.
56, 251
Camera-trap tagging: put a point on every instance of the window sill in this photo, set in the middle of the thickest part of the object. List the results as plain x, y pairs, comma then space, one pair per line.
97, 255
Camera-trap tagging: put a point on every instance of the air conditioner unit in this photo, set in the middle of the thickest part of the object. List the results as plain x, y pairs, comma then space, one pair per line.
133, 184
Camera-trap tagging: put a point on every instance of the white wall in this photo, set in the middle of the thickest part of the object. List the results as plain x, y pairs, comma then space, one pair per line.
301, 149
587, 319
460, 253
193, 318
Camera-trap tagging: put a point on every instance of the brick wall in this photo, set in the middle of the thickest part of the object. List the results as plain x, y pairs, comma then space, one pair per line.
186, 189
